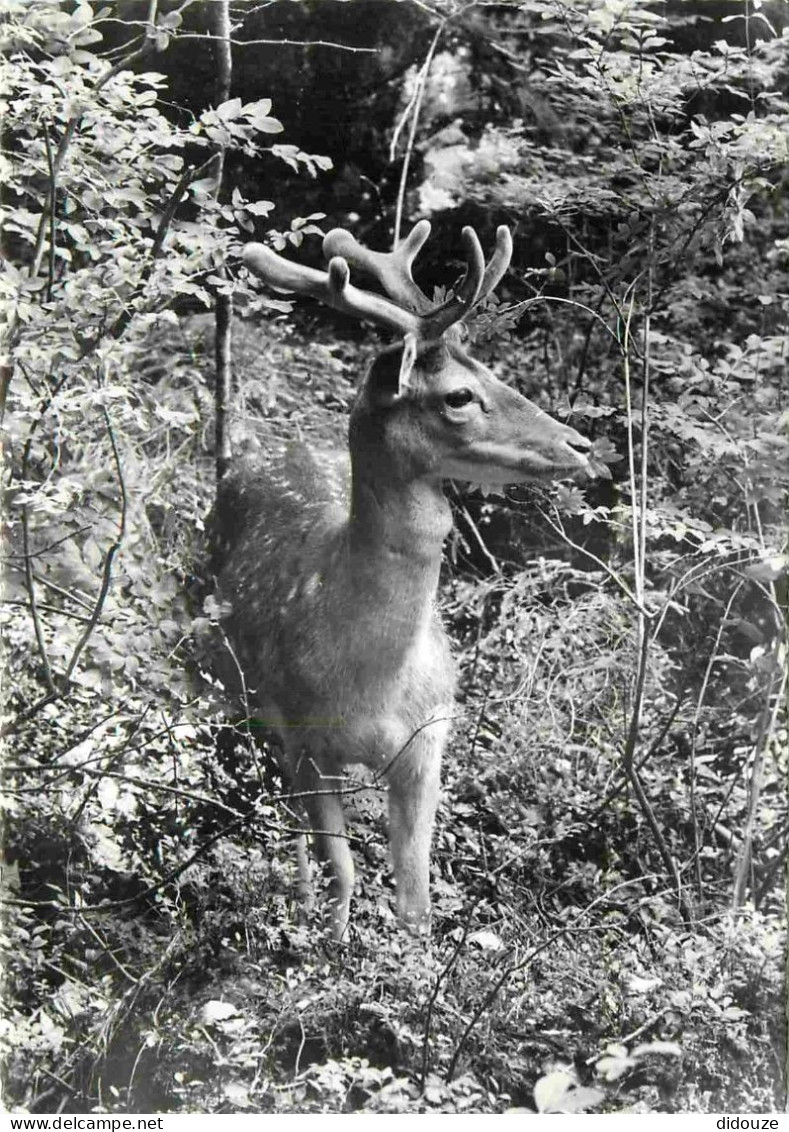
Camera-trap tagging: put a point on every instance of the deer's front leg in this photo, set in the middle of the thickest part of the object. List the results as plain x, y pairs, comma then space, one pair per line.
318, 786
414, 785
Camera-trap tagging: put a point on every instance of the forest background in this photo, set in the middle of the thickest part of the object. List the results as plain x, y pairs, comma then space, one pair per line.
611, 848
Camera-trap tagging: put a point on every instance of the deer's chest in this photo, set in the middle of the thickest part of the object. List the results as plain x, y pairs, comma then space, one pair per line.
419, 705
361, 716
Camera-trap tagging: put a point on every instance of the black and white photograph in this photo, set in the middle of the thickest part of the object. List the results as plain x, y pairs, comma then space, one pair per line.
395, 452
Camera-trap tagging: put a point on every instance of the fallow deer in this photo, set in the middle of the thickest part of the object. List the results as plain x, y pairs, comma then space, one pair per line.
333, 621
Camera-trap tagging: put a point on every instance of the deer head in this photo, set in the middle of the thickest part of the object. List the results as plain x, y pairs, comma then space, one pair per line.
439, 412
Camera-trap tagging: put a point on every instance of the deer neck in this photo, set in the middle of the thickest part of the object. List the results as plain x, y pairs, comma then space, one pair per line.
396, 531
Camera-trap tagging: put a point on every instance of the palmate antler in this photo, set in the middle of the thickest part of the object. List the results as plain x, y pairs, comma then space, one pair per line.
407, 310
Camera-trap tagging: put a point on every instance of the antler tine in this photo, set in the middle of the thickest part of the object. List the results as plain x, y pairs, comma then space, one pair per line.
410, 311
461, 303
331, 287
391, 269
498, 263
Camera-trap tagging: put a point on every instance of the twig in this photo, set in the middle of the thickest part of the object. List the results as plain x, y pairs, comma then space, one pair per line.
114, 757
50, 546
43, 224
186, 178
476, 532
639, 1030
223, 363
166, 788
28, 558
251, 745
108, 951
443, 974
73, 743
53, 184
32, 603
766, 731
223, 300
108, 560
400, 126
635, 780
631, 461
420, 90
70, 129
526, 304
146, 892
283, 43
44, 605
645, 375
157, 247
645, 758
695, 727
592, 261
302, 1044
612, 574
483, 707
581, 370
37, 706
125, 63
639, 524
69, 594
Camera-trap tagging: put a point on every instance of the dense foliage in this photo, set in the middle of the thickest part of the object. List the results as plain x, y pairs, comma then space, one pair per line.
608, 930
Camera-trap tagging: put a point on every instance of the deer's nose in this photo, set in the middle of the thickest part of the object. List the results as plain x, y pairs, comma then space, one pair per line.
577, 447
575, 440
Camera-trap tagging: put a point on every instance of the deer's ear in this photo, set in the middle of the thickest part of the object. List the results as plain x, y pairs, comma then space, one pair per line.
391, 376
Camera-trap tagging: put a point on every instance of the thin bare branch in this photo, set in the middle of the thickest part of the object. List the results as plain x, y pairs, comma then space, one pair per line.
612, 574
774, 698
157, 247
46, 606
526, 304
223, 300
284, 43
417, 105
631, 460
28, 557
53, 187
13, 558
468, 920
654, 746
32, 603
109, 557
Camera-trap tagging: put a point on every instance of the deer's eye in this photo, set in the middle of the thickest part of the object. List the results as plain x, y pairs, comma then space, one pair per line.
458, 398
